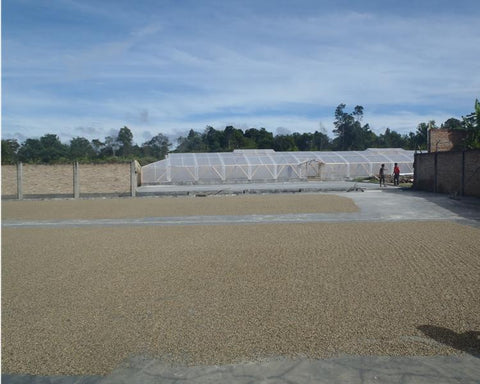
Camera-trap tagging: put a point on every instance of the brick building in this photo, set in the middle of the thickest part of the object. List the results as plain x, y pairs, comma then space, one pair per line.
441, 139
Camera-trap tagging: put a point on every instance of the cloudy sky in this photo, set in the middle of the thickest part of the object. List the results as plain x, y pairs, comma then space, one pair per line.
89, 67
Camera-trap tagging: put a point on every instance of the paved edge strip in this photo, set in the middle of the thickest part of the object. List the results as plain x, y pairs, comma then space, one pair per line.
462, 368
220, 220
31, 379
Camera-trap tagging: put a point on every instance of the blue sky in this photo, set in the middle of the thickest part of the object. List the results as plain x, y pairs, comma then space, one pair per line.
87, 68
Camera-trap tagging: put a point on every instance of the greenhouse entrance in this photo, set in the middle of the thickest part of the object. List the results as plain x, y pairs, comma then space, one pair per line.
313, 169
266, 165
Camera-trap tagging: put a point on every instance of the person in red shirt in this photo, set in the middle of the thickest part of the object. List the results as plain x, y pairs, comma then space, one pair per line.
396, 174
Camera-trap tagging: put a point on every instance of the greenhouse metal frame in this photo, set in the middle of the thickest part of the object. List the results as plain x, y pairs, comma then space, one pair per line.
266, 165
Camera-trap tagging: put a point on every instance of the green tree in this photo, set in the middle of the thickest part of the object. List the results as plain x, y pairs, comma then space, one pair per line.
343, 127
125, 141
53, 148
420, 138
97, 146
370, 137
30, 151
213, 139
192, 143
320, 141
390, 139
232, 138
349, 132
363, 137
261, 138
472, 125
303, 141
157, 146
47, 149
80, 148
410, 141
452, 123
111, 147
283, 143
9, 151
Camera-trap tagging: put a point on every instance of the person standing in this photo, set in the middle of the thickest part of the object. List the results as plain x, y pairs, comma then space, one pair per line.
396, 175
382, 175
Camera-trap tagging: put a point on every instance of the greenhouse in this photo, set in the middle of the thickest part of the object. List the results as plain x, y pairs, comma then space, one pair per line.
266, 165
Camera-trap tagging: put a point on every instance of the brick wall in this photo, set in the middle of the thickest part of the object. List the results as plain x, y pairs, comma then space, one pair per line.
57, 180
472, 173
423, 172
440, 140
452, 173
449, 172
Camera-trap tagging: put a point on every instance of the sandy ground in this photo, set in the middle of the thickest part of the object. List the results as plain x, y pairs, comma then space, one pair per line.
79, 301
175, 206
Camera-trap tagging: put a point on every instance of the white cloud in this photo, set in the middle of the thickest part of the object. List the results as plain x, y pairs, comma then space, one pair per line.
169, 73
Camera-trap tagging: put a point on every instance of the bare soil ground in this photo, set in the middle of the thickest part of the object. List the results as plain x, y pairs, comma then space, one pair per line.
175, 206
81, 300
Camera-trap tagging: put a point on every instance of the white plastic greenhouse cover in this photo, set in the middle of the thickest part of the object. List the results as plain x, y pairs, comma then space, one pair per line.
258, 165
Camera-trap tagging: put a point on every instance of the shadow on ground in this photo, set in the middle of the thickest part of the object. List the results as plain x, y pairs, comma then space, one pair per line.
468, 342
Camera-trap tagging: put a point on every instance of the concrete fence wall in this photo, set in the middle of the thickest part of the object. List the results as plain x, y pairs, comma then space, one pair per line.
58, 180
9, 180
448, 172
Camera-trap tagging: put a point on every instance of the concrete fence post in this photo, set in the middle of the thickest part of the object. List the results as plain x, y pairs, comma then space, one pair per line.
19, 181
76, 181
133, 179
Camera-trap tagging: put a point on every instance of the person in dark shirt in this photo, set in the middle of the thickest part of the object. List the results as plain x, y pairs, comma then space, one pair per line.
382, 175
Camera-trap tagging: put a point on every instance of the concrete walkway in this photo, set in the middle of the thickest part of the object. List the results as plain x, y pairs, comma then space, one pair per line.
383, 205
215, 189
463, 369
351, 370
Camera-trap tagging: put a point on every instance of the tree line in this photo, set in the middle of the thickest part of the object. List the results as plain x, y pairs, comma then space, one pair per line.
349, 131
48, 149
